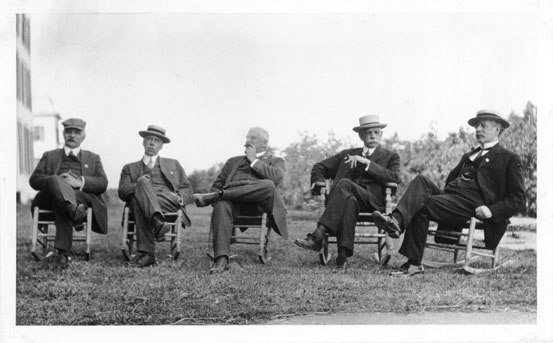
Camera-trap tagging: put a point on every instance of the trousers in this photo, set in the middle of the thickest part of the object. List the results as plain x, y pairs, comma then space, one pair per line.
343, 205
146, 202
259, 192
424, 201
58, 196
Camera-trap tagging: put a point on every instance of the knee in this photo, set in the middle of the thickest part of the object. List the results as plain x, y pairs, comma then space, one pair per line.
344, 184
267, 184
142, 182
53, 182
223, 206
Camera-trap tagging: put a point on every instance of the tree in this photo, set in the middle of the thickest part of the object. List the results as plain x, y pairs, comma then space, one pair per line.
521, 137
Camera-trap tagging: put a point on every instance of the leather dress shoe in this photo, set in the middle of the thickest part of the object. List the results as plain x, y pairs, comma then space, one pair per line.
56, 261
78, 217
143, 260
221, 264
340, 268
160, 229
409, 271
387, 223
206, 199
309, 243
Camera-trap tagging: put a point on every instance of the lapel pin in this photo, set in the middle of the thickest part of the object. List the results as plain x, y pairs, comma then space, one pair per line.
487, 160
86, 165
171, 172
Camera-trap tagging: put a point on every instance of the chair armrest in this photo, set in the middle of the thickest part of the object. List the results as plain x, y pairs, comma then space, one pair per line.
392, 185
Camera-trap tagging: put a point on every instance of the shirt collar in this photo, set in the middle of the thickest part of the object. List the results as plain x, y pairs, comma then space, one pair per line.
489, 145
365, 149
76, 150
146, 159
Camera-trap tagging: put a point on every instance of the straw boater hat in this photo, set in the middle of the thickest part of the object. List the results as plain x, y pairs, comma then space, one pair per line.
155, 131
369, 121
488, 115
74, 123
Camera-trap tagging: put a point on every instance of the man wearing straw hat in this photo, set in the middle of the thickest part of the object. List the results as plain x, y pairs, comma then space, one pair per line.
70, 180
151, 186
487, 184
358, 178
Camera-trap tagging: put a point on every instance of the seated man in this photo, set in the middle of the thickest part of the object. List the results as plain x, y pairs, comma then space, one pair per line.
151, 186
359, 176
250, 179
487, 184
69, 181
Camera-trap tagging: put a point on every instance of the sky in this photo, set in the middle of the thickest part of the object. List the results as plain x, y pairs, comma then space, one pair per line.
207, 77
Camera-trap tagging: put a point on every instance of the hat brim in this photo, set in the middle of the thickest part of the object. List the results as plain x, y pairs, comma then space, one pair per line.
369, 126
164, 139
73, 127
474, 121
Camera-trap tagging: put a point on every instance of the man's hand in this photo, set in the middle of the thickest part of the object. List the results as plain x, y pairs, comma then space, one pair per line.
483, 212
72, 180
250, 153
354, 159
316, 187
145, 176
178, 198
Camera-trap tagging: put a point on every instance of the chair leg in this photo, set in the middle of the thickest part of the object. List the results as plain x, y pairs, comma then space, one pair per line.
176, 239
88, 233
126, 246
324, 254
34, 235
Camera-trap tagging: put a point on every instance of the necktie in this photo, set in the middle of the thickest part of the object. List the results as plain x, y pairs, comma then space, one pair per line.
73, 156
480, 153
151, 163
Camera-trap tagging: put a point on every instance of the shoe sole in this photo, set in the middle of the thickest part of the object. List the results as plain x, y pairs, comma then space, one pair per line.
301, 245
383, 224
405, 274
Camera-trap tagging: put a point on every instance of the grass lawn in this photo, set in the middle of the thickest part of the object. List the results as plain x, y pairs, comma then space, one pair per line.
103, 291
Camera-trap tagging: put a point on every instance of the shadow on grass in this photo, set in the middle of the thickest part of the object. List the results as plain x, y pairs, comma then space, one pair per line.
105, 292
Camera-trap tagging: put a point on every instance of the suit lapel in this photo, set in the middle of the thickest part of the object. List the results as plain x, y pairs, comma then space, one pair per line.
85, 163
234, 168
57, 160
376, 153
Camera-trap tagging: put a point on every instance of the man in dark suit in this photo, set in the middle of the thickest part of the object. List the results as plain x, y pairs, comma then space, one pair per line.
359, 176
151, 186
252, 178
69, 181
487, 184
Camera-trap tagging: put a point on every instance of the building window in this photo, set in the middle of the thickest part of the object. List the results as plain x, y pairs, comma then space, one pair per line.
38, 133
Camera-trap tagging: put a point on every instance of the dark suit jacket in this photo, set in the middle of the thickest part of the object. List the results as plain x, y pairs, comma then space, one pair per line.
172, 171
95, 184
384, 168
500, 179
267, 167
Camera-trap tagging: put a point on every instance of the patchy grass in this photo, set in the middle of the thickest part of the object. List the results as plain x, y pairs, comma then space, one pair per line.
105, 292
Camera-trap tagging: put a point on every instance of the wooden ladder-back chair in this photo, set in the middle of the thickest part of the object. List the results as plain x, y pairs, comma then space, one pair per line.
175, 234
465, 242
366, 232
43, 232
249, 216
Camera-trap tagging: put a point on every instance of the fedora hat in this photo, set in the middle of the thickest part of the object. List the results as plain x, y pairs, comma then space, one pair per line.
74, 123
155, 131
488, 115
369, 121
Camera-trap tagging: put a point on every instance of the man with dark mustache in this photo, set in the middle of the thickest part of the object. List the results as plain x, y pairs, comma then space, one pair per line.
358, 178
252, 178
69, 181
487, 184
